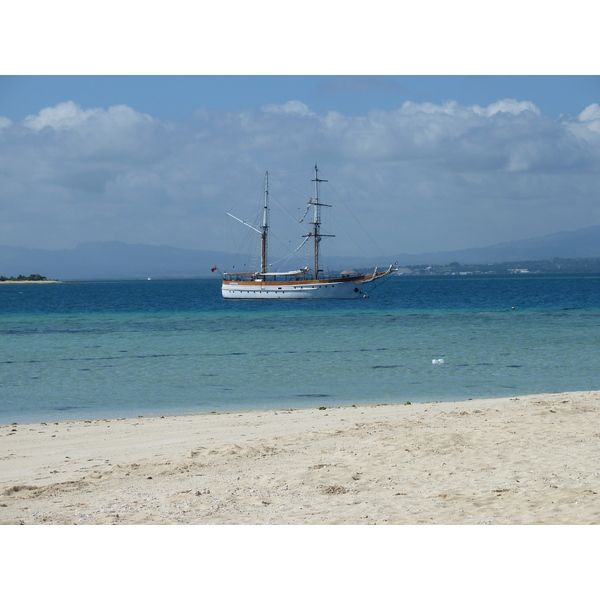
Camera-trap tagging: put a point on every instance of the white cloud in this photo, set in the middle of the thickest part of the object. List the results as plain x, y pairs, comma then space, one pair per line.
412, 108
590, 113
590, 117
586, 126
510, 106
66, 115
293, 107
421, 177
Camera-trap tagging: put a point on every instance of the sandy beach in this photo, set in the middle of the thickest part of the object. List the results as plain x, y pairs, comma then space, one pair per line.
24, 282
526, 460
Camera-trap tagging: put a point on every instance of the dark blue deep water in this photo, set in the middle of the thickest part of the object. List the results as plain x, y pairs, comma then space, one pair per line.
128, 348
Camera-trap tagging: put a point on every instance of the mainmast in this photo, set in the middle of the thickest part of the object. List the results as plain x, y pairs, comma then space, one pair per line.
264, 227
316, 222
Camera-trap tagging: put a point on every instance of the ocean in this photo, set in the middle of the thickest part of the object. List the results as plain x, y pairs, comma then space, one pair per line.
90, 350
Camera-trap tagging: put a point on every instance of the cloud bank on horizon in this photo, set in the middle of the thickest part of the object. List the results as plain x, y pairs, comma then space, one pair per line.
422, 177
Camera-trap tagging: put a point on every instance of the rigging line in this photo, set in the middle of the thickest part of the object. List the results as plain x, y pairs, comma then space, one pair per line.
245, 248
287, 184
282, 243
359, 223
380, 281
285, 210
352, 240
232, 238
274, 237
291, 187
286, 259
276, 173
282, 176
282, 261
292, 254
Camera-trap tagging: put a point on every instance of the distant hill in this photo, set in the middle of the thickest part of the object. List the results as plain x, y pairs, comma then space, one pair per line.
582, 243
117, 260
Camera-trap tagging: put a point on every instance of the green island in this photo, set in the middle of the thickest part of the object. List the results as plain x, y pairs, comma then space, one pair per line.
34, 278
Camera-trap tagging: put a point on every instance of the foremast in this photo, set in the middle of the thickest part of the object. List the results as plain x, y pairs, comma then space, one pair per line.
264, 228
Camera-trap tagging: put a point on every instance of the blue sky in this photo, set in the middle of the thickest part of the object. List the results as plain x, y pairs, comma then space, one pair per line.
432, 138
175, 97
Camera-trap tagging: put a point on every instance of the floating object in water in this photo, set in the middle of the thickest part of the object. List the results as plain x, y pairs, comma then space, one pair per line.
437, 361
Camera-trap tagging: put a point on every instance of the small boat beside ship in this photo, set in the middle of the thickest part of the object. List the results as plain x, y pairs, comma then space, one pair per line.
308, 282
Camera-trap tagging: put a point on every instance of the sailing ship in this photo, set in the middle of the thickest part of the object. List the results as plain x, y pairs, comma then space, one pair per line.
308, 282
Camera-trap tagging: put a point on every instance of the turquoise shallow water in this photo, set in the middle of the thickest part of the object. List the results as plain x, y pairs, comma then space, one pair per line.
107, 349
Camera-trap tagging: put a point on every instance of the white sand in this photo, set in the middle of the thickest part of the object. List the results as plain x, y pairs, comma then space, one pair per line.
24, 282
527, 460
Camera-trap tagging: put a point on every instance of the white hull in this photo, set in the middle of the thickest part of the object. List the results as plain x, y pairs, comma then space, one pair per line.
296, 290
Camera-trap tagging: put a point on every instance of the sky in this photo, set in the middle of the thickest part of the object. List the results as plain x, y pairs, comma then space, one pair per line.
427, 158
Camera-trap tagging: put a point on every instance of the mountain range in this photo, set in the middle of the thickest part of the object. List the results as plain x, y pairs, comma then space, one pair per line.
582, 243
118, 260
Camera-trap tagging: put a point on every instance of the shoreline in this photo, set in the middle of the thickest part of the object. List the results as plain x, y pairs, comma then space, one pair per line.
513, 460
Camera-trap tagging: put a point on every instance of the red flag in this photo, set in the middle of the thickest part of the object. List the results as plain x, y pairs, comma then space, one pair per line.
214, 269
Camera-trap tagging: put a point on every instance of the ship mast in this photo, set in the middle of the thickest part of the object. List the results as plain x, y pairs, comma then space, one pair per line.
316, 222
264, 227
